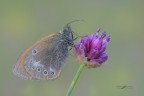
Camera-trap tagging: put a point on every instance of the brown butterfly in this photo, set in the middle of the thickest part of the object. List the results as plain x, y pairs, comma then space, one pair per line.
44, 59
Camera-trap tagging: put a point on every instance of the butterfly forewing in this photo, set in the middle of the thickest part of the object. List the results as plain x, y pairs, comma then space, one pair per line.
44, 59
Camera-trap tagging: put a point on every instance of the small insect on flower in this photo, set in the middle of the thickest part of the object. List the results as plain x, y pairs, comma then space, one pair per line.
90, 50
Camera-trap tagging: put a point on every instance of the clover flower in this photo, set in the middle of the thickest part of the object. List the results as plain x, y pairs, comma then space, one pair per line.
91, 49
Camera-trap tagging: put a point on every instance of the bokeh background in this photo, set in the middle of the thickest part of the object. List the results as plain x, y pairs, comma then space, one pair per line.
23, 22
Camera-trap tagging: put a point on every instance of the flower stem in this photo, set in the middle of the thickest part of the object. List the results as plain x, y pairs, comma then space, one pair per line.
75, 80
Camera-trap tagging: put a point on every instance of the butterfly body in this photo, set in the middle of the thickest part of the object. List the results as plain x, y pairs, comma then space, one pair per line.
44, 59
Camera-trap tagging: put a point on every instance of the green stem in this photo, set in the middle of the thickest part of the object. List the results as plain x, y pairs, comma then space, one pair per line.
75, 80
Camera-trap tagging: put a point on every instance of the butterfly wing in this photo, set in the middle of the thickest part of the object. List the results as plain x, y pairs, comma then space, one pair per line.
43, 60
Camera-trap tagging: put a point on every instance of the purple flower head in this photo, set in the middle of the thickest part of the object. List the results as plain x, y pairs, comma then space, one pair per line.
91, 49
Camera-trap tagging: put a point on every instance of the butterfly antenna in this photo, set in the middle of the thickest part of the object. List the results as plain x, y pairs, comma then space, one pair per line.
74, 22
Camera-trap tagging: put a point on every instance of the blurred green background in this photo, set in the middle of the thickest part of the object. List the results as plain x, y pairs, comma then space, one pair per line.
23, 22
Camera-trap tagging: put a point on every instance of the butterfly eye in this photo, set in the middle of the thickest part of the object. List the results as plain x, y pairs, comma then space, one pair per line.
34, 51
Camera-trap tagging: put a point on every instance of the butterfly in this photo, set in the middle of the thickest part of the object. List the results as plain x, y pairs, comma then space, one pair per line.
45, 58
